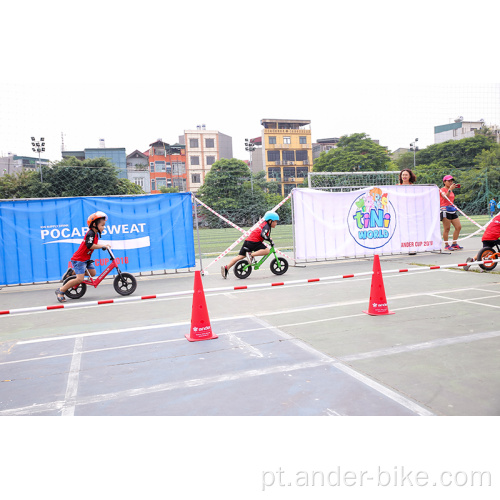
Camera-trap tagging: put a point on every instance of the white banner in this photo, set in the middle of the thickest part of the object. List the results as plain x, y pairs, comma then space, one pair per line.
368, 221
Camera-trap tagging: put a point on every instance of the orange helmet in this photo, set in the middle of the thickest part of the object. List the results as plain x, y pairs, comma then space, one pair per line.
93, 217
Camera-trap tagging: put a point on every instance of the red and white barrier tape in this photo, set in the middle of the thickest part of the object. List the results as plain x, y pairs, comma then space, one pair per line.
481, 228
232, 288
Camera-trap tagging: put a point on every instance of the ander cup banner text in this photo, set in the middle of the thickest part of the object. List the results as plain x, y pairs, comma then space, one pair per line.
146, 233
368, 221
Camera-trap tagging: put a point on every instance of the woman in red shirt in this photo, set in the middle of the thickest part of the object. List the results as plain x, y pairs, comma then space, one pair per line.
449, 214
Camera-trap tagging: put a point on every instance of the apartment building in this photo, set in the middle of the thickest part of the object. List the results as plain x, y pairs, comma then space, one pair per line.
287, 151
323, 145
138, 170
203, 148
167, 166
457, 130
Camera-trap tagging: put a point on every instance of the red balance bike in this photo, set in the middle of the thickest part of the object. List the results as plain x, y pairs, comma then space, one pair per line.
124, 283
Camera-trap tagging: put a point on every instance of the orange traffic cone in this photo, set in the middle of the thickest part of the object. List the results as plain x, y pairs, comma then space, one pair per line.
378, 303
200, 322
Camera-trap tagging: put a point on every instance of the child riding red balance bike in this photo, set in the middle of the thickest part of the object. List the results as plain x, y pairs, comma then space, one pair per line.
491, 247
124, 283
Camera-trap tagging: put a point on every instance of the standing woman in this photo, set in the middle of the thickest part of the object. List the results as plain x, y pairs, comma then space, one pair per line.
449, 214
406, 177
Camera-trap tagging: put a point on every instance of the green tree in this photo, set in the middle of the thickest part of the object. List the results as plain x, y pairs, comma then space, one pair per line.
69, 177
165, 189
228, 190
355, 152
458, 154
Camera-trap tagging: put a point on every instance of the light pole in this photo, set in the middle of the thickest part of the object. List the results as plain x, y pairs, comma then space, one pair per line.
38, 146
250, 146
414, 148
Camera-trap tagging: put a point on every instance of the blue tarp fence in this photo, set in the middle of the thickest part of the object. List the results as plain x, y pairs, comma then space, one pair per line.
147, 233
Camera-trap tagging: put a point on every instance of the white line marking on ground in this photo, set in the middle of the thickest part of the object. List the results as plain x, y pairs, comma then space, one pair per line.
389, 393
169, 386
235, 340
73, 378
420, 346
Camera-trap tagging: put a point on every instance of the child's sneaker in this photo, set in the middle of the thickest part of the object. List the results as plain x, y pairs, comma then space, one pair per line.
449, 247
456, 246
224, 271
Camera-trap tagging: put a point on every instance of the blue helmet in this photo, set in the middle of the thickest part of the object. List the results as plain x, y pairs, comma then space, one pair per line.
271, 216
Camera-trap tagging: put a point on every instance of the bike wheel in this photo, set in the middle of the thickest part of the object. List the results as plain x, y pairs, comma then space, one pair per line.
487, 253
77, 292
241, 273
125, 284
283, 263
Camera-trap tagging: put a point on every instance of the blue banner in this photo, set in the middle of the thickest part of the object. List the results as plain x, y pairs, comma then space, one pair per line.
147, 233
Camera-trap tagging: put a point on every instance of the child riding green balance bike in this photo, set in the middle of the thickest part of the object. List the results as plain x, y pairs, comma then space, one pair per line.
253, 247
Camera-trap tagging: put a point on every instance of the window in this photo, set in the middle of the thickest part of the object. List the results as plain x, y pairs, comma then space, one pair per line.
286, 140
161, 183
168, 168
301, 155
288, 155
153, 188
178, 167
195, 160
169, 183
302, 139
152, 166
210, 160
195, 178
193, 143
160, 166
272, 139
139, 181
273, 156
209, 143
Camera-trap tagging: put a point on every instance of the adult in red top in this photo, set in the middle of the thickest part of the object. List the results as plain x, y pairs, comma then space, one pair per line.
81, 258
448, 212
253, 246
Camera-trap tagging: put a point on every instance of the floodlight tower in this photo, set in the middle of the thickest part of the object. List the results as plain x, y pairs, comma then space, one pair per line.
38, 146
414, 148
250, 147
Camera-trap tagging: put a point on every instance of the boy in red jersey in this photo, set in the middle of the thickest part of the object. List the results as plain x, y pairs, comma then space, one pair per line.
81, 258
491, 235
253, 246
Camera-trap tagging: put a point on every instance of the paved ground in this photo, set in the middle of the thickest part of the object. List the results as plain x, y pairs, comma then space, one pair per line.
298, 349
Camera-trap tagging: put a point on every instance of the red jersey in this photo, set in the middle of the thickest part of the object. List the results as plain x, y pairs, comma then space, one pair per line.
443, 202
84, 251
492, 232
260, 233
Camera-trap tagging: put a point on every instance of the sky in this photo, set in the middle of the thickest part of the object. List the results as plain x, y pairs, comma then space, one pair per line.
131, 75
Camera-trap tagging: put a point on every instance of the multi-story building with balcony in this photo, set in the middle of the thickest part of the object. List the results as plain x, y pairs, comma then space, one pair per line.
138, 170
323, 145
167, 166
287, 151
203, 149
14, 164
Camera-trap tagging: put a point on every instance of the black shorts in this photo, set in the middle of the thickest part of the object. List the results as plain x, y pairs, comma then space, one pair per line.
251, 246
490, 243
448, 215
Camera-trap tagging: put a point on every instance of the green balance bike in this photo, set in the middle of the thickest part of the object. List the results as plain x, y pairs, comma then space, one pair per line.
279, 265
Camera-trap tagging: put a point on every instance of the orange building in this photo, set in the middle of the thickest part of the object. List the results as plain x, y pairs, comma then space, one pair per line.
167, 166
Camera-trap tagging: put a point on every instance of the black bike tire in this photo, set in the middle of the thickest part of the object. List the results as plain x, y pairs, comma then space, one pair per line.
481, 256
276, 270
75, 293
119, 279
237, 270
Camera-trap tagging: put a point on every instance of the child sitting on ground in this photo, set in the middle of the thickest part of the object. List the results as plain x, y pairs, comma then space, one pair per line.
81, 258
254, 242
